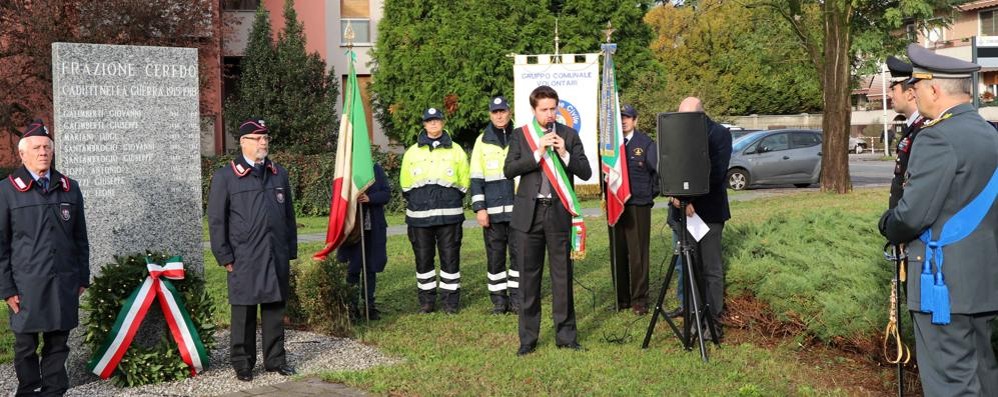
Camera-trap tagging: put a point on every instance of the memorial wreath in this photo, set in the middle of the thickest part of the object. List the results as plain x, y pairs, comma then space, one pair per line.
122, 296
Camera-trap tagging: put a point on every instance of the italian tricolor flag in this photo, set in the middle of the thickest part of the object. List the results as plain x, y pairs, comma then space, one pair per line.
354, 167
613, 156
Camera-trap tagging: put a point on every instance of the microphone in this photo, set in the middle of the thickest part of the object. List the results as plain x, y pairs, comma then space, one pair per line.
551, 129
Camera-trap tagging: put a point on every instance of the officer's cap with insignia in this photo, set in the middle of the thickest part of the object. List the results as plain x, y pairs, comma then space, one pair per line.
253, 125
432, 114
628, 111
900, 70
36, 128
498, 103
927, 65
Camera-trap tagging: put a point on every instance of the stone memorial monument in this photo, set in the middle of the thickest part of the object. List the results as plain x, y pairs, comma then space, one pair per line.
127, 128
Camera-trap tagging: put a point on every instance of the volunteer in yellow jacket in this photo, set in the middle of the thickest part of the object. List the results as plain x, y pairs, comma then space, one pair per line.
434, 179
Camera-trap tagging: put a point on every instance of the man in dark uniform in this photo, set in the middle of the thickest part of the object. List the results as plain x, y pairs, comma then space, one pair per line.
253, 235
492, 202
902, 94
44, 263
541, 222
952, 163
633, 232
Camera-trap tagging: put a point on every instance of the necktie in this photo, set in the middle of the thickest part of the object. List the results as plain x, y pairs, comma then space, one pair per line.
259, 168
44, 183
626, 140
545, 186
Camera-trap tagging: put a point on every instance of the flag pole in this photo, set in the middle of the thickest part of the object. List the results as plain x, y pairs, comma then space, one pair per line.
606, 124
348, 36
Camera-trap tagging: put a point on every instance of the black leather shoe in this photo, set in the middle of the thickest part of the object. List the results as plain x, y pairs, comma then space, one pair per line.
573, 346
245, 375
525, 350
284, 370
426, 308
450, 310
499, 309
677, 312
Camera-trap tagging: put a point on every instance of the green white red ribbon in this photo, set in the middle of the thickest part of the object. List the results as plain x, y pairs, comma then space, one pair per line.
561, 182
134, 310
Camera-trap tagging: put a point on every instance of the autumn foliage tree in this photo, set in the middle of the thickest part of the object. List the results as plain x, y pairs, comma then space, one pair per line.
840, 37
29, 27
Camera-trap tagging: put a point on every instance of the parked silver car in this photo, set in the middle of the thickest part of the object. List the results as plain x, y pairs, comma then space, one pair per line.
775, 157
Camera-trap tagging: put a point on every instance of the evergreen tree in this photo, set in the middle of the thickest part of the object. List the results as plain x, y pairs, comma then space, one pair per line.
433, 53
286, 86
253, 97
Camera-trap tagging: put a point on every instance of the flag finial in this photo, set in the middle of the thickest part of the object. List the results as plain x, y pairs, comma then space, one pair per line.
349, 35
608, 31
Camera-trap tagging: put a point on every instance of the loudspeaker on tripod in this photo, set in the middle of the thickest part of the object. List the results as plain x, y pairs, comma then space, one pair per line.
683, 157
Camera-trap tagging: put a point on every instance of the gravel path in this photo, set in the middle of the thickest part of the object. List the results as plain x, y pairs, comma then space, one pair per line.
308, 353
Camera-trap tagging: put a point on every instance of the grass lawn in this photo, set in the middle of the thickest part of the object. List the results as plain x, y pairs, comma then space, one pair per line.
472, 353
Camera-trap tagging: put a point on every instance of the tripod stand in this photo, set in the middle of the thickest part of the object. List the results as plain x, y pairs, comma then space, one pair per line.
695, 306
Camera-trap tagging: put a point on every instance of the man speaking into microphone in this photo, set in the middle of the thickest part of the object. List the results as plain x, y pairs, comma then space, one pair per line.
546, 156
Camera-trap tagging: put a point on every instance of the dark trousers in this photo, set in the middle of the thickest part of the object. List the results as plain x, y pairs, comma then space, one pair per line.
712, 266
49, 373
499, 244
956, 359
532, 244
243, 355
631, 240
426, 243
372, 282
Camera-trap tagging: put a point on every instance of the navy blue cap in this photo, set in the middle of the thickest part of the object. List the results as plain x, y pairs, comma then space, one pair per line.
432, 114
900, 70
253, 125
36, 128
628, 111
927, 65
498, 103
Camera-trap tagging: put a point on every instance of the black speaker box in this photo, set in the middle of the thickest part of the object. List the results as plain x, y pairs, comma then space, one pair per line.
684, 162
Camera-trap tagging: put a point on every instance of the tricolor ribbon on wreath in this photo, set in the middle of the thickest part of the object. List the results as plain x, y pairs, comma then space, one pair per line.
134, 310
561, 183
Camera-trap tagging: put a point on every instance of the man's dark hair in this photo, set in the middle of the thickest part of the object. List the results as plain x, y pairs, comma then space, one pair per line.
542, 92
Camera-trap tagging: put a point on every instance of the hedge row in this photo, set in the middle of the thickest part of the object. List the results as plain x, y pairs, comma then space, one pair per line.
311, 178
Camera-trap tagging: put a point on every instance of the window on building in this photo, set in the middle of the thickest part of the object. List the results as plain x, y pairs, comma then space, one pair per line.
989, 24
240, 5
356, 13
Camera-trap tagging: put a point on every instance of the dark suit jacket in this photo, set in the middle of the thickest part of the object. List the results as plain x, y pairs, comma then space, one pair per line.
520, 163
376, 238
713, 206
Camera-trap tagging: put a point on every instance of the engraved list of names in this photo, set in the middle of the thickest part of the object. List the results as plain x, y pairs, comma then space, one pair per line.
127, 129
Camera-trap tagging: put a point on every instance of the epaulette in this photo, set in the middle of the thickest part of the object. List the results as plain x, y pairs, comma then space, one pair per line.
239, 170
933, 122
19, 184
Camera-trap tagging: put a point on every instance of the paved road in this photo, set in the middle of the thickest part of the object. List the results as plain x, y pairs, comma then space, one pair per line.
866, 170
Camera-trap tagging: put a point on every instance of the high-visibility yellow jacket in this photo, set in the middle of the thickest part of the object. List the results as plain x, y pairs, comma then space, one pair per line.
434, 179
490, 190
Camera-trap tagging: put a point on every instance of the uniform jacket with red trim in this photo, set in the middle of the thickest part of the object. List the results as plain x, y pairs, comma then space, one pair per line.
251, 221
44, 251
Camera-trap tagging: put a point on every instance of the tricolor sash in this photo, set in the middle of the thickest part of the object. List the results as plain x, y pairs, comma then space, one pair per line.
134, 310
561, 183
